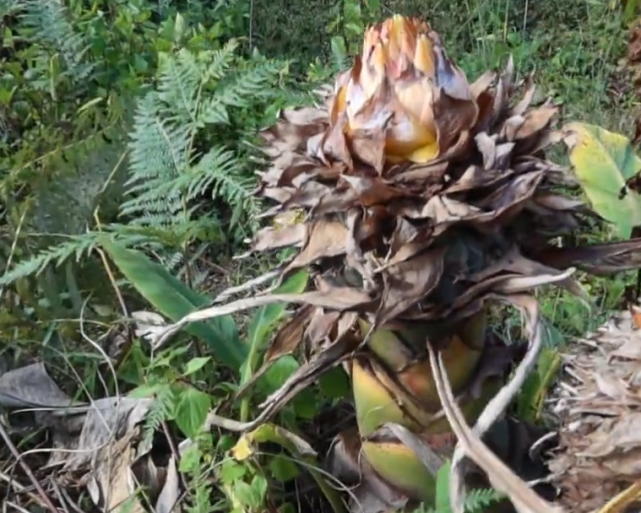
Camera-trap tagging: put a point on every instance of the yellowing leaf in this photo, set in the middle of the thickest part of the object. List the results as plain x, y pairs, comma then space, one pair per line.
603, 162
243, 449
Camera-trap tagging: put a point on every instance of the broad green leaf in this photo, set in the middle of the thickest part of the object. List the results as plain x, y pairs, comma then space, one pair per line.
278, 373
231, 471
265, 319
443, 488
251, 495
174, 299
334, 384
195, 364
260, 329
603, 161
283, 469
305, 404
191, 410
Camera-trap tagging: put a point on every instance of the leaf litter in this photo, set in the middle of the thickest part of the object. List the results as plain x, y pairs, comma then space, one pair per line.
598, 403
99, 446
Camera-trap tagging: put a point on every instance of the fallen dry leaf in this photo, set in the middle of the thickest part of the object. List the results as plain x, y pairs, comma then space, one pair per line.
599, 405
96, 445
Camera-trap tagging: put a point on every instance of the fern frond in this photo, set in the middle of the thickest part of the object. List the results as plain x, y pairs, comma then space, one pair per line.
76, 246
166, 174
158, 412
219, 61
49, 25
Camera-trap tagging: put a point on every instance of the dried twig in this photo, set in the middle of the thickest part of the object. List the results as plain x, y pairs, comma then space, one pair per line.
14, 451
501, 477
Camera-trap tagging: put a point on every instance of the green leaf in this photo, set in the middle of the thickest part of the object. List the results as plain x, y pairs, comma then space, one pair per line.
334, 384
191, 410
231, 471
190, 459
443, 488
265, 319
603, 161
250, 495
279, 372
283, 469
195, 364
174, 299
260, 329
305, 404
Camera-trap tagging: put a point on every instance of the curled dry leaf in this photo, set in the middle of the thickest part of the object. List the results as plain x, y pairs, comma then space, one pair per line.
101, 450
148, 324
32, 387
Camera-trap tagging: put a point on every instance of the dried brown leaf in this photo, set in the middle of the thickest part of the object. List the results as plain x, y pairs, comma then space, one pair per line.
600, 259
326, 239
407, 283
373, 190
334, 298
274, 238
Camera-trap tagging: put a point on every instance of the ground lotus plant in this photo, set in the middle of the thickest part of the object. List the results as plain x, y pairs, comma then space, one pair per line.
421, 199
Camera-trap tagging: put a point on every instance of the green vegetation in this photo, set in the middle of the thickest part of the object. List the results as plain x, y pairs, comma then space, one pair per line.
129, 135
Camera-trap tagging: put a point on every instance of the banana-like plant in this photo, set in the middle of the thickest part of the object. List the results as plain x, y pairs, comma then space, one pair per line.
419, 197
424, 195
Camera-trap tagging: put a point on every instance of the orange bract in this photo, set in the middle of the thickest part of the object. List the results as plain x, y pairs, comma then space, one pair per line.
400, 86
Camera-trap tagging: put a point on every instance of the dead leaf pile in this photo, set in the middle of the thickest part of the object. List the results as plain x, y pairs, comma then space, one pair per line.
97, 447
599, 404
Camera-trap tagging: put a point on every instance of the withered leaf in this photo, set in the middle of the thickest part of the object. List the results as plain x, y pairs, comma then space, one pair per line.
535, 120
476, 177
369, 147
428, 174
407, 283
321, 326
290, 335
330, 356
600, 259
338, 200
274, 238
483, 83
373, 190
31, 387
335, 145
330, 297
523, 104
453, 114
326, 239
